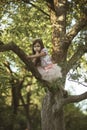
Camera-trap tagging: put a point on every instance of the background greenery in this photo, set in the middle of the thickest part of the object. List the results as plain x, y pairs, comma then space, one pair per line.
20, 93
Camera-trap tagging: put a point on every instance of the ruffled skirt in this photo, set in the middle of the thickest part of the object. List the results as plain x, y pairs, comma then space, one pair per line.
50, 73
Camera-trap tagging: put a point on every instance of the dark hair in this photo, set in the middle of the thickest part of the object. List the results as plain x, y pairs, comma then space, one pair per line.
38, 61
37, 41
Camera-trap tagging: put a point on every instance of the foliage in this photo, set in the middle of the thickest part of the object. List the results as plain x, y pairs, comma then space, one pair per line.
74, 117
21, 23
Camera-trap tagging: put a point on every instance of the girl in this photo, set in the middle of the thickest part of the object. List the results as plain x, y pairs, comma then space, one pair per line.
49, 71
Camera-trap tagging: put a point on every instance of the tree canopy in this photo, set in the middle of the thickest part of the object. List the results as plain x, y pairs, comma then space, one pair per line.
63, 28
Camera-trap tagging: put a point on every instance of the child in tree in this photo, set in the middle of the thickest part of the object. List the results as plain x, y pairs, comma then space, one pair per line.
49, 71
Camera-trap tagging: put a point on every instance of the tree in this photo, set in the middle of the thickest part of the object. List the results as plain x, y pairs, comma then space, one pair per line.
62, 39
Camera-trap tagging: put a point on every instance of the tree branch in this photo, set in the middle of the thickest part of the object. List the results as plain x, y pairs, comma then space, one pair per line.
73, 99
78, 83
12, 46
69, 99
40, 9
74, 30
76, 56
28, 2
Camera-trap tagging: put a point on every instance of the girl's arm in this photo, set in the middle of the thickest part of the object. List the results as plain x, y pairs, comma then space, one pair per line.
37, 55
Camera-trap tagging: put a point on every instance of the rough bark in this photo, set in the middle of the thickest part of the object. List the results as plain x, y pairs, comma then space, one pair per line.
52, 114
58, 21
52, 118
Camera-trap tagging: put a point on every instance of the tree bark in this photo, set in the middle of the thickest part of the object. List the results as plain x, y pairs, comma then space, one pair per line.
52, 118
58, 21
52, 114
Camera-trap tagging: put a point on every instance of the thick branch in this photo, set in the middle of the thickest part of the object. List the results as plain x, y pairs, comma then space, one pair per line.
22, 56
73, 99
13, 47
74, 30
75, 58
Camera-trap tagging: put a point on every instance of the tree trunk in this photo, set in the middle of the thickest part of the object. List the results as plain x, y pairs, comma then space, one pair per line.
52, 115
15, 95
58, 21
52, 112
26, 108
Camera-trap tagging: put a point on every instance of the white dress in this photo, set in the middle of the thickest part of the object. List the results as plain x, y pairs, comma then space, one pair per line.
49, 71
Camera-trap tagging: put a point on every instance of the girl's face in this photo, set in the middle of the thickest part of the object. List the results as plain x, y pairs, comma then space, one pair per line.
37, 47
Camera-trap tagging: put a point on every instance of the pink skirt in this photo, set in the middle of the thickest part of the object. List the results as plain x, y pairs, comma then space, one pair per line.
50, 73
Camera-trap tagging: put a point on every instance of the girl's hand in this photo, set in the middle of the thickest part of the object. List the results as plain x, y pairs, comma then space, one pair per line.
37, 55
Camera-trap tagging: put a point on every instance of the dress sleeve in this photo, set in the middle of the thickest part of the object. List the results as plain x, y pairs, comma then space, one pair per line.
45, 50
